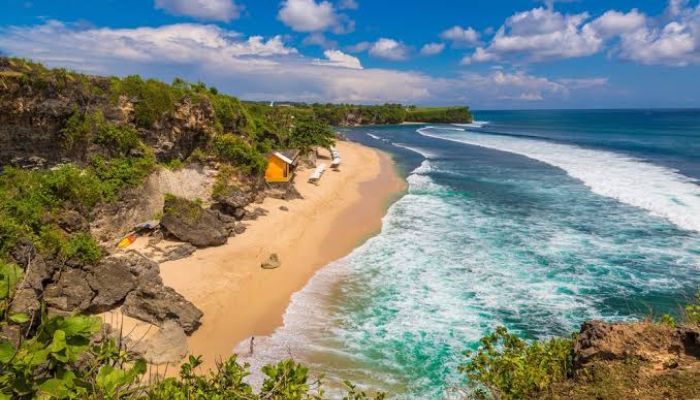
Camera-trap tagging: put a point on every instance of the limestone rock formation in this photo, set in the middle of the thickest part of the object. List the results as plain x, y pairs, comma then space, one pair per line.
189, 222
158, 304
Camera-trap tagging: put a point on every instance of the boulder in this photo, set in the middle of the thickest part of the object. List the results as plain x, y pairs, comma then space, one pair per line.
253, 215
157, 304
25, 301
189, 222
272, 262
178, 252
233, 198
167, 345
71, 292
111, 280
37, 271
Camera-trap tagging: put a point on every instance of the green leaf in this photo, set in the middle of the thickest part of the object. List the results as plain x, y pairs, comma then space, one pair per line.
6, 352
110, 378
80, 325
59, 341
19, 318
9, 275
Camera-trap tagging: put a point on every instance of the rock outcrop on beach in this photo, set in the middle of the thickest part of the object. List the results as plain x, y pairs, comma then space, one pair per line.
189, 222
123, 278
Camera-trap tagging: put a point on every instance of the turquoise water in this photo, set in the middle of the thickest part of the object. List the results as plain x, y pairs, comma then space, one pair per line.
534, 220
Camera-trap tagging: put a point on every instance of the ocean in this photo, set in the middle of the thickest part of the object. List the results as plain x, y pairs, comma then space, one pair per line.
534, 220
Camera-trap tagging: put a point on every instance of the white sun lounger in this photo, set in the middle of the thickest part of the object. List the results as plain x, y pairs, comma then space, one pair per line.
318, 172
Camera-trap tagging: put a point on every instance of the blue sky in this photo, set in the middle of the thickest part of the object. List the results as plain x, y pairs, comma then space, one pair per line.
486, 54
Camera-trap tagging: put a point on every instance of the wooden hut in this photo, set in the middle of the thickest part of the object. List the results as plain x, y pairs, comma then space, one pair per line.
280, 165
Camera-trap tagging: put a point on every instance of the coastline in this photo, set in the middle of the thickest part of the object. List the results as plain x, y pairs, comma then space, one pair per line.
239, 298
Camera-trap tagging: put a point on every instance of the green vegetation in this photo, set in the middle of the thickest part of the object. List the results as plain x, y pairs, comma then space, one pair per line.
238, 152
507, 367
60, 360
439, 114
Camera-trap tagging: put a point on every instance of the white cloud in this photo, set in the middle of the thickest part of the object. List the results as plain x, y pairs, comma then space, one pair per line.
359, 47
673, 39
614, 23
583, 83
431, 49
337, 58
213, 10
348, 5
543, 34
461, 36
310, 16
319, 39
518, 86
389, 49
259, 68
540, 34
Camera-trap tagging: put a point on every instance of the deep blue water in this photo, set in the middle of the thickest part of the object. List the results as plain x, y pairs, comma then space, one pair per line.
536, 220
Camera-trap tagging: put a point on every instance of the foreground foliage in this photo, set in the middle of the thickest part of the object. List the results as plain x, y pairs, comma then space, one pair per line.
61, 360
507, 367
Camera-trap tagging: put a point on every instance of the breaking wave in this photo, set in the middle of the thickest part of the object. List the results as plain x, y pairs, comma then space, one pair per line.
663, 192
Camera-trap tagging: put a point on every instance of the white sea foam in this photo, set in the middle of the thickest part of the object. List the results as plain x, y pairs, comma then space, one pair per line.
474, 124
663, 192
425, 153
374, 136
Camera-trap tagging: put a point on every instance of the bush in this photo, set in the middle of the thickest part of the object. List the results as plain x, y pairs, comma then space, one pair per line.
92, 127
692, 311
155, 99
235, 150
507, 367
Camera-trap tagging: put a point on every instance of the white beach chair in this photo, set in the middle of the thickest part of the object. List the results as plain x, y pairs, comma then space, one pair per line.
318, 172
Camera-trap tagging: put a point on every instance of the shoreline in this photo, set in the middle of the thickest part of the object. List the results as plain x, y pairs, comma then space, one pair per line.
239, 298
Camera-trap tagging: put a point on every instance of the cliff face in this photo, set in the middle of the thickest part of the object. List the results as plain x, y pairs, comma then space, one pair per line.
36, 106
632, 361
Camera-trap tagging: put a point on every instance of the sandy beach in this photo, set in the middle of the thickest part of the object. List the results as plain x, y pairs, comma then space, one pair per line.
237, 296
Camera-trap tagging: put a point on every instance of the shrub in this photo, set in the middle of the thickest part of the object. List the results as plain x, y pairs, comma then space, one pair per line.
668, 320
692, 311
237, 151
154, 99
57, 361
508, 367
82, 128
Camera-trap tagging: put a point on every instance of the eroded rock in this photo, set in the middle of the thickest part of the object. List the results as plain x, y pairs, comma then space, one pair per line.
189, 222
167, 345
157, 304
272, 262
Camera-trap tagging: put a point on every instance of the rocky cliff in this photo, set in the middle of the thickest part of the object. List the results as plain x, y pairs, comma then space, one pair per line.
36, 107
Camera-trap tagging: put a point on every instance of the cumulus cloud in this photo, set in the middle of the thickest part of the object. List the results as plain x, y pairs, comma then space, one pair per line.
540, 34
543, 34
431, 49
515, 85
258, 68
461, 36
337, 58
614, 23
310, 16
673, 39
389, 49
213, 10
